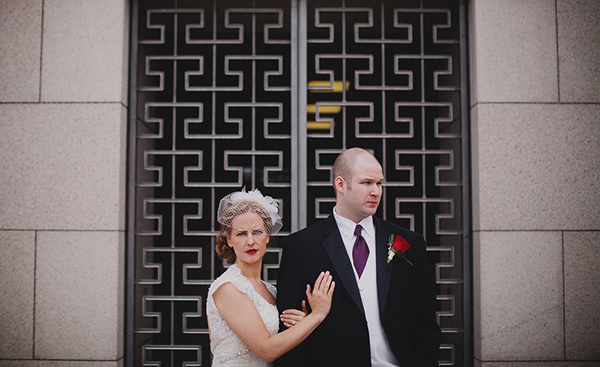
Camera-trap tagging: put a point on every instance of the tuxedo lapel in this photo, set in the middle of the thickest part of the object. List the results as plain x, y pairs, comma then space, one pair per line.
334, 246
384, 270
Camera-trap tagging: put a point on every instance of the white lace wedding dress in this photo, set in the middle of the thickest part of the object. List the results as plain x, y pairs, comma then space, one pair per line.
226, 347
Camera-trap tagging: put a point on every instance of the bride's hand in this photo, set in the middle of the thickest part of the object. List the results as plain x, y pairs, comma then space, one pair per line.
320, 297
292, 316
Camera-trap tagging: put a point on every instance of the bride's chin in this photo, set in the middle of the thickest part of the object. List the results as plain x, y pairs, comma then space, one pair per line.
251, 259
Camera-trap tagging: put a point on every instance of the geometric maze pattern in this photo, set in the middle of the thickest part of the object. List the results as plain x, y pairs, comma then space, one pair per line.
213, 94
219, 106
387, 78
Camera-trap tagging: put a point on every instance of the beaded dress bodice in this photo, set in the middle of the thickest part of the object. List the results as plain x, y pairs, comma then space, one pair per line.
226, 347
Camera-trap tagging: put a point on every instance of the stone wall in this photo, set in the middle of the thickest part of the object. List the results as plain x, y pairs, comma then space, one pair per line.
535, 111
63, 123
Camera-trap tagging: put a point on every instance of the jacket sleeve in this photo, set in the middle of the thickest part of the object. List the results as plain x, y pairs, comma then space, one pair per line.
290, 293
410, 313
429, 334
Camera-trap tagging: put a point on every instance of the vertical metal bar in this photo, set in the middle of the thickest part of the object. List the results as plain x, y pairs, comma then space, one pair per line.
173, 180
295, 112
302, 100
423, 125
466, 191
383, 111
131, 179
253, 92
344, 60
213, 143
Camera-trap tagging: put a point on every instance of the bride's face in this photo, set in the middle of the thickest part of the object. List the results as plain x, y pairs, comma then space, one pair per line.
248, 237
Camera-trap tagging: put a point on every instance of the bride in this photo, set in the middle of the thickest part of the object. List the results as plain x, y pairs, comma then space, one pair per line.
242, 316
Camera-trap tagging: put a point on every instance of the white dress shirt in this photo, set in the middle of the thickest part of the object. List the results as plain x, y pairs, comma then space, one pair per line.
381, 354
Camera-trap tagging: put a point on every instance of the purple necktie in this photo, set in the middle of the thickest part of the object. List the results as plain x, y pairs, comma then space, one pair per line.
360, 251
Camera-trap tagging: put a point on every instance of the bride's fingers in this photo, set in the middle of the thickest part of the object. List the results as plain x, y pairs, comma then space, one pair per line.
293, 314
321, 282
331, 288
291, 317
322, 285
328, 281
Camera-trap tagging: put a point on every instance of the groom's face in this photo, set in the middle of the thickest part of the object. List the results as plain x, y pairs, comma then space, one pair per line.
363, 191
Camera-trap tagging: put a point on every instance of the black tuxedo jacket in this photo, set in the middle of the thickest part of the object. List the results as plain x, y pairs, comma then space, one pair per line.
405, 292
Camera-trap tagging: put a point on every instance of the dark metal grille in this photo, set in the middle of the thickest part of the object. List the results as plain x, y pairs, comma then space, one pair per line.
265, 94
387, 77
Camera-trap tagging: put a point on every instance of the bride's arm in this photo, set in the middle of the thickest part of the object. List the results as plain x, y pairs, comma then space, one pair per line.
243, 318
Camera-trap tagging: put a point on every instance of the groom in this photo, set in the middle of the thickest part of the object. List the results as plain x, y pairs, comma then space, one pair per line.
382, 314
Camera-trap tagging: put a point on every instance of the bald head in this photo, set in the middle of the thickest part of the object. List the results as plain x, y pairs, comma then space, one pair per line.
345, 163
358, 183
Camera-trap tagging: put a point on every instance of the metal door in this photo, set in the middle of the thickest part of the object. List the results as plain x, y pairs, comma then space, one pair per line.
265, 94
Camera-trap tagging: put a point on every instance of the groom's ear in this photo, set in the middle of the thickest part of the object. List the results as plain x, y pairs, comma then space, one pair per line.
339, 185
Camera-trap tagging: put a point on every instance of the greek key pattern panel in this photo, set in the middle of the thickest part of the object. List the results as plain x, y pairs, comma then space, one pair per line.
213, 116
265, 94
386, 77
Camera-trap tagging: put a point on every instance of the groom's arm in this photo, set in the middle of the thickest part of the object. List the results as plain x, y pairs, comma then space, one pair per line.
290, 293
410, 313
429, 334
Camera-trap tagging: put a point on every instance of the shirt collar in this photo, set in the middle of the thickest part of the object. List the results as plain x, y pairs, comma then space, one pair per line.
347, 226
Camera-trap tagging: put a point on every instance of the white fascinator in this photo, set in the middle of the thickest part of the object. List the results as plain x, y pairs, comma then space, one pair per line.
241, 202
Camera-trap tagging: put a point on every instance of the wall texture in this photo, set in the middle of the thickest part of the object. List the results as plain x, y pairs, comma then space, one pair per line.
535, 111
63, 120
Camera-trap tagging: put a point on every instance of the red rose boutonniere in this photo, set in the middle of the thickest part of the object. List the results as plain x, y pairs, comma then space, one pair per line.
397, 246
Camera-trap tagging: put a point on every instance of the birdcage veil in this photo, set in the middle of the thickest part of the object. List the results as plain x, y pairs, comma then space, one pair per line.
241, 202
